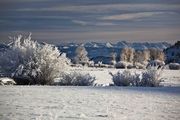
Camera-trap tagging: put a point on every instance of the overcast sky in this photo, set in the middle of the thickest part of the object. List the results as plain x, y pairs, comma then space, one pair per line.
57, 21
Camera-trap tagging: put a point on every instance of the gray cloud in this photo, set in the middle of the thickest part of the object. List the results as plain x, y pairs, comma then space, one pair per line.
143, 34
132, 16
105, 8
81, 20
84, 23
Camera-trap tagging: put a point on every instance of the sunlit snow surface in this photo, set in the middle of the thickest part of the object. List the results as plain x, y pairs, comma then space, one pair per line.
89, 103
93, 103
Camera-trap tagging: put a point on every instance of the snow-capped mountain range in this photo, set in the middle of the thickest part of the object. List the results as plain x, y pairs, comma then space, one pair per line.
122, 44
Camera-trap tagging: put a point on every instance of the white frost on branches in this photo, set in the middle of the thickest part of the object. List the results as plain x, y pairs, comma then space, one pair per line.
81, 55
28, 59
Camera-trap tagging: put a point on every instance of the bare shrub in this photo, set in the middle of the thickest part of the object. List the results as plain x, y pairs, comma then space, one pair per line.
76, 79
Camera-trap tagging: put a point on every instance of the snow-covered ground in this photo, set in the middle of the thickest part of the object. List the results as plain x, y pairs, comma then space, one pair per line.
93, 103
89, 103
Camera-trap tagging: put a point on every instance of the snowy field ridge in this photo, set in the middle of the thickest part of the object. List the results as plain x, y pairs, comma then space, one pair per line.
93, 103
89, 103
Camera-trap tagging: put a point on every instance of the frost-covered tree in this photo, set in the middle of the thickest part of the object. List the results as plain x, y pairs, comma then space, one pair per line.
113, 58
141, 58
81, 55
138, 56
127, 54
29, 62
156, 54
161, 56
20, 52
146, 55
157, 58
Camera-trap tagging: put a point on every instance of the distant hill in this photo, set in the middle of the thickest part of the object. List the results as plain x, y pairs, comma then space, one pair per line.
173, 53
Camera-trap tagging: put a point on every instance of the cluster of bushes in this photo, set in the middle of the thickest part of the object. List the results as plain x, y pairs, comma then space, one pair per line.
75, 79
130, 58
150, 77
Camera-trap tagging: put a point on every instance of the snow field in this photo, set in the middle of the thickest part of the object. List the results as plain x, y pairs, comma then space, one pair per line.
93, 103
89, 103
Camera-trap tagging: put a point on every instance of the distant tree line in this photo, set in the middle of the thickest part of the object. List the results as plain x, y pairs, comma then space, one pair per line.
127, 55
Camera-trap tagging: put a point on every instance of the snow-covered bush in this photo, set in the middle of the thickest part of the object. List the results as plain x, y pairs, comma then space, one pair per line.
91, 63
123, 64
151, 77
140, 65
7, 81
102, 65
122, 79
29, 62
174, 66
76, 79
130, 66
157, 63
